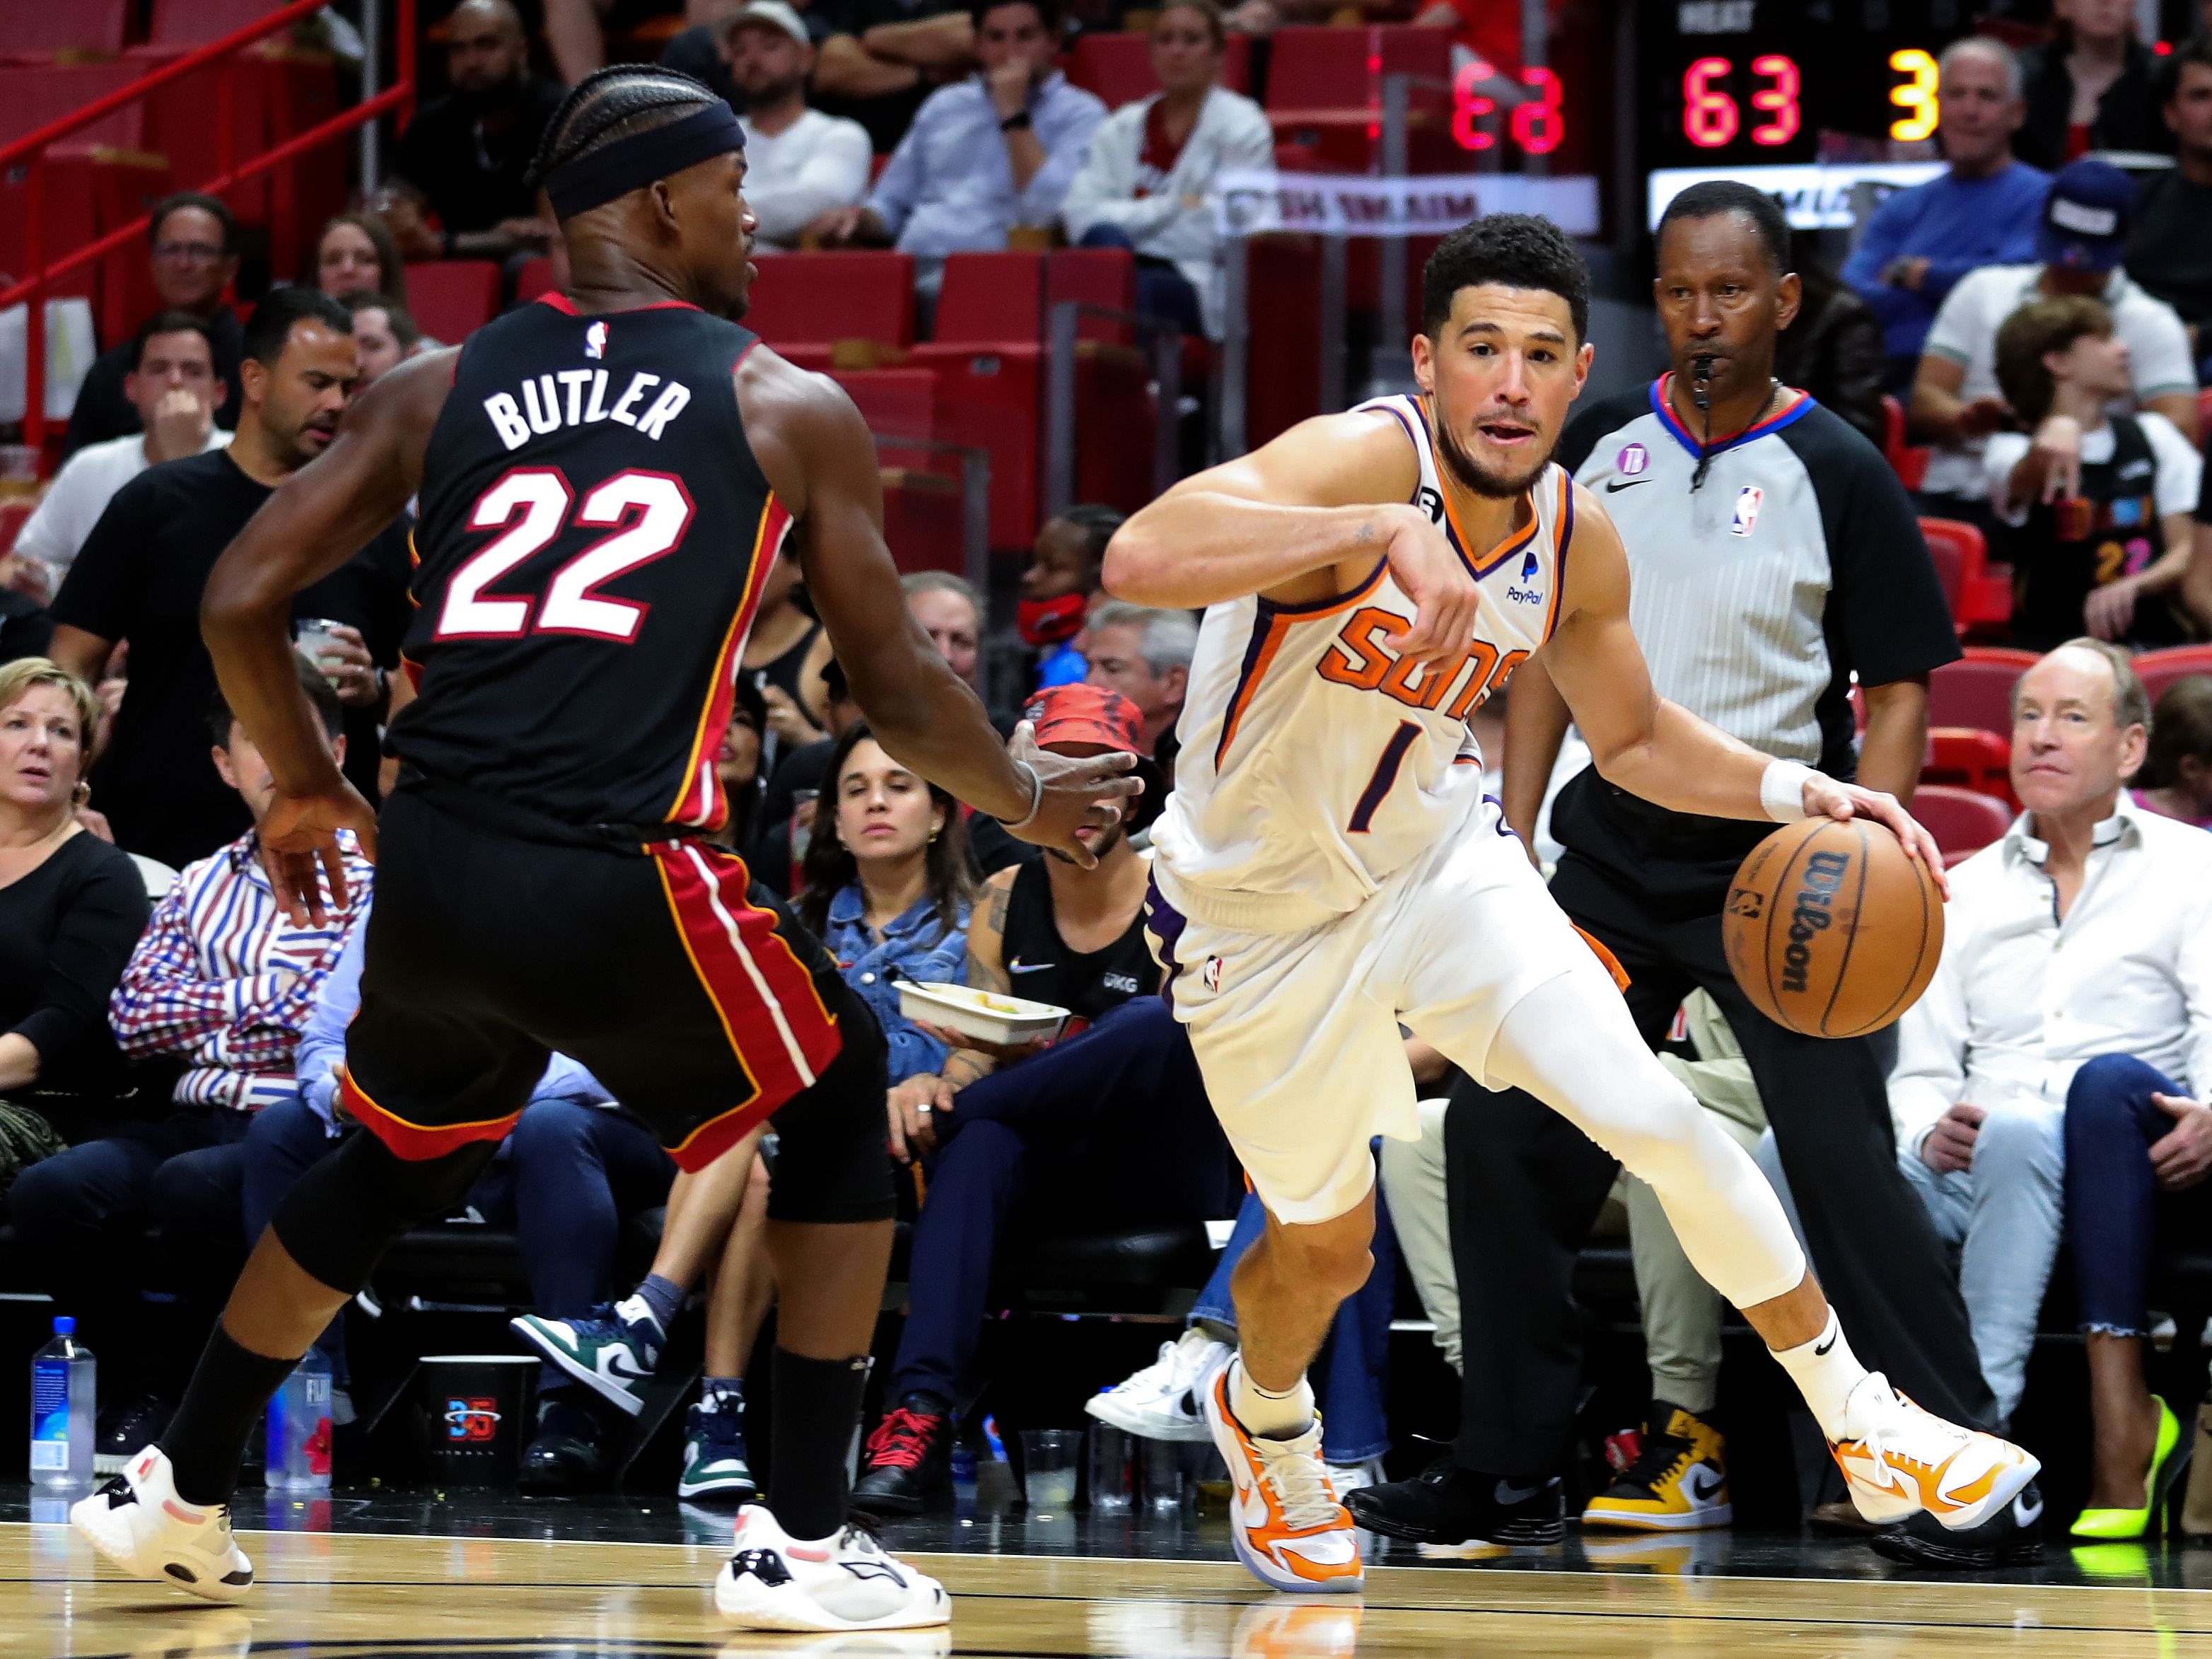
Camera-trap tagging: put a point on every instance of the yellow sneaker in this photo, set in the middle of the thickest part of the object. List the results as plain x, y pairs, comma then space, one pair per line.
1678, 1483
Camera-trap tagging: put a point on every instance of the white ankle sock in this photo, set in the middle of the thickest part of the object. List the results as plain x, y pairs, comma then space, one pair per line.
1266, 1413
1825, 1370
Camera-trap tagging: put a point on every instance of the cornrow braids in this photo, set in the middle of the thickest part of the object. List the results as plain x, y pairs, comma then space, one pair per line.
613, 103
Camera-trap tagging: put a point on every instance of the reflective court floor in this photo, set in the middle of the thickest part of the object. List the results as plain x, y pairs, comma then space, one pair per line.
491, 1576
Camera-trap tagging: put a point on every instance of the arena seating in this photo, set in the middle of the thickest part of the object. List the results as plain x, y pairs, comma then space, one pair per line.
2160, 669
1980, 599
1977, 690
1118, 67
1962, 822
803, 304
1325, 95
1969, 757
30, 28
196, 23
452, 298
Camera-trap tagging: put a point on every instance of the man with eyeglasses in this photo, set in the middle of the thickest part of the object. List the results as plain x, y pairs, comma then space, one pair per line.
195, 259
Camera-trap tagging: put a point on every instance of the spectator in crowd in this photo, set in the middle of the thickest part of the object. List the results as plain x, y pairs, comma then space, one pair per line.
1832, 348
356, 254
799, 163
702, 48
2176, 779
786, 655
223, 981
1144, 654
2098, 503
1060, 584
575, 31
139, 577
71, 909
1985, 1058
1112, 1124
886, 891
26, 629
1919, 242
737, 763
2092, 86
173, 386
385, 335
883, 59
195, 260
466, 156
985, 154
1147, 183
1956, 400
948, 609
2170, 249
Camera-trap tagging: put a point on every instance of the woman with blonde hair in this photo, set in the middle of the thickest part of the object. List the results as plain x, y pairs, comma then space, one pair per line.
71, 909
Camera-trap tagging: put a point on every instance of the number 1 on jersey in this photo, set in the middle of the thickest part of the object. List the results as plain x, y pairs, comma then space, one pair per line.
1386, 774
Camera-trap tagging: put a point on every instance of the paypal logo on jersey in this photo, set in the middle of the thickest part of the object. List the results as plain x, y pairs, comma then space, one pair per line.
1528, 594
595, 340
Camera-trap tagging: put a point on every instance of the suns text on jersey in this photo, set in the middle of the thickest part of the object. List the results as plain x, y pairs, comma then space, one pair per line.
1360, 657
578, 397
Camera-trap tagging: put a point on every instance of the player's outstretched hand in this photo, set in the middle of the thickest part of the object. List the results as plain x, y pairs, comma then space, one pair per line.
1080, 793
299, 836
1825, 798
1435, 577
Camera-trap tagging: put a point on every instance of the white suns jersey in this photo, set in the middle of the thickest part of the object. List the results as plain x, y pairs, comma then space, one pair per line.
1313, 762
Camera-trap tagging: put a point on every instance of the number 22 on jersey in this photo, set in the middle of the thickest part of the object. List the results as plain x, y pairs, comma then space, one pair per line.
648, 511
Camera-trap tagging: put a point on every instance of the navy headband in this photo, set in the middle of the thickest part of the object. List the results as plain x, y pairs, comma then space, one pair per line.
599, 176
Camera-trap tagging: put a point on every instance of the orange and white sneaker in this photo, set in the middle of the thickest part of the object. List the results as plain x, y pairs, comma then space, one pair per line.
1299, 1630
1900, 1460
1287, 1525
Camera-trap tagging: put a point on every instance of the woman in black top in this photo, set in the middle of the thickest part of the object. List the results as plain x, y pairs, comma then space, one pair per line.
2092, 87
785, 654
71, 906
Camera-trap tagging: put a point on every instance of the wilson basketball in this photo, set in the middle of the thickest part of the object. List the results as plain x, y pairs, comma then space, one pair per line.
1831, 929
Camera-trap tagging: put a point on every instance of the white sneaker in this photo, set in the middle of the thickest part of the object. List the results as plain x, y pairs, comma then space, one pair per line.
1345, 1478
1898, 1459
775, 1581
1287, 1524
138, 1522
1164, 1401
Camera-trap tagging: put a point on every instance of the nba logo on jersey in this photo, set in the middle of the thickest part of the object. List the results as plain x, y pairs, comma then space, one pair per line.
595, 340
1747, 509
1211, 974
1631, 460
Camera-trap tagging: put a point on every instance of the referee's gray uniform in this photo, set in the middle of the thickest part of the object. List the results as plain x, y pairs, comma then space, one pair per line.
1755, 594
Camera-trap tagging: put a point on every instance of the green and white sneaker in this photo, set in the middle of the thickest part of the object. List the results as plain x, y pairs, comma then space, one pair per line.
714, 1450
613, 1351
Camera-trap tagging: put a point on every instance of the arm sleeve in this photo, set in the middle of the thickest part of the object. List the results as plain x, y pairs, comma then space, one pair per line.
834, 174
2180, 467
101, 923
96, 594
899, 186
1886, 617
322, 1038
1038, 202
1931, 1074
2159, 353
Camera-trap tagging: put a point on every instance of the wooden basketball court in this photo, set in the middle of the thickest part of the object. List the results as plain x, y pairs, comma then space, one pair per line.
348, 1596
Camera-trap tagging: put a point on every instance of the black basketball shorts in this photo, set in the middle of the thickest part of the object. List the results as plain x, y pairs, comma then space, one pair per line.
695, 996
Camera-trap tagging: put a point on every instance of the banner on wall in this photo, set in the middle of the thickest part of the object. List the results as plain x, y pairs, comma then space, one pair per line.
1249, 203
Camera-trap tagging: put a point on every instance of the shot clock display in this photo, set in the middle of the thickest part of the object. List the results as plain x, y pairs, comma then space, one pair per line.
1751, 83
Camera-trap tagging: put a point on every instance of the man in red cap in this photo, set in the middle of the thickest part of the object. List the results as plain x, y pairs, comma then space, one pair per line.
1112, 1122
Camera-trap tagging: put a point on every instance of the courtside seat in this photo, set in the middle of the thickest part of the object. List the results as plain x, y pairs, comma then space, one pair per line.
811, 301
453, 298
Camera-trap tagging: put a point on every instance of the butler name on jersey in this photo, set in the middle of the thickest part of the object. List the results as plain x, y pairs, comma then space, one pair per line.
1316, 760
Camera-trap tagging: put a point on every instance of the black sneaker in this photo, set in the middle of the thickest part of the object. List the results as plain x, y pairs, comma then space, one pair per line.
908, 1459
128, 1429
1449, 1506
565, 1454
2012, 1536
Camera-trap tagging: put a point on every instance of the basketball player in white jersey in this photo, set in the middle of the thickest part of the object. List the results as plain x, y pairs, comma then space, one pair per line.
1328, 869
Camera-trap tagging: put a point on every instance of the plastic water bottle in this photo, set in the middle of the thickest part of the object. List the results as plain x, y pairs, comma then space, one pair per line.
62, 1409
299, 1447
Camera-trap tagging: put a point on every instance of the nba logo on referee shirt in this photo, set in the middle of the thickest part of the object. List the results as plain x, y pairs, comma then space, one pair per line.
1631, 460
595, 340
1747, 509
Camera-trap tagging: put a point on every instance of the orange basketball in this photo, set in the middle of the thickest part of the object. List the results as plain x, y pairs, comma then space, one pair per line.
1831, 929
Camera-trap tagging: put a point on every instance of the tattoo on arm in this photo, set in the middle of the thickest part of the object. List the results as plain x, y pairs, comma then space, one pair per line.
982, 976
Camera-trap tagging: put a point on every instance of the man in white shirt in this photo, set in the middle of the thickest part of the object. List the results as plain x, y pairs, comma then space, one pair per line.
173, 387
1956, 400
2085, 931
799, 163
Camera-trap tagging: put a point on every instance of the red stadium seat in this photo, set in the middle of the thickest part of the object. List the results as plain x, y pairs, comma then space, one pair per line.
921, 521
535, 277
1980, 599
1118, 67
31, 94
1103, 276
1968, 757
1909, 461
895, 403
990, 299
1962, 822
1343, 68
815, 300
40, 26
2160, 669
1977, 690
196, 23
453, 298
14, 513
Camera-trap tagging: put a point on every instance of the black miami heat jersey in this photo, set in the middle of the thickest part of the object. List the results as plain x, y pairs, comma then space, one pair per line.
594, 537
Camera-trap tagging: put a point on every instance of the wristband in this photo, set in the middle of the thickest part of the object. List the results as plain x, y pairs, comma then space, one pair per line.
1781, 790
1036, 797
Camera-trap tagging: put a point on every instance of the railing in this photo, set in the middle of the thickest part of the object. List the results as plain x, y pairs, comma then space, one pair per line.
29, 152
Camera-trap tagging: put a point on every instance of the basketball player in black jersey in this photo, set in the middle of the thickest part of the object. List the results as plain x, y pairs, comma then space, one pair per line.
605, 479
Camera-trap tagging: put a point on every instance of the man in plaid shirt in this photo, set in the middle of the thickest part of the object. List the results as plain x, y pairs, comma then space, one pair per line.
224, 982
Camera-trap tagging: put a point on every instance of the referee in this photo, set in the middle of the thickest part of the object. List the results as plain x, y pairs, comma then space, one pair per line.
1773, 553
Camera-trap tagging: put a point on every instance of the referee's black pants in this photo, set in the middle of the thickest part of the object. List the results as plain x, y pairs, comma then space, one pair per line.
1526, 1186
